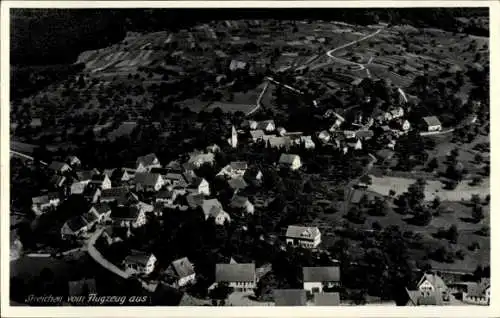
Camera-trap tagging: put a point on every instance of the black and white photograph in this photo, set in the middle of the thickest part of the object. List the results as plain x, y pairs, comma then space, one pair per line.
227, 157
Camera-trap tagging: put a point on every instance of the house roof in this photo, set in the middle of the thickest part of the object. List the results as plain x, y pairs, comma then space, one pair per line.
146, 178
76, 223
89, 217
195, 200
183, 267
165, 194
364, 133
125, 212
358, 194
77, 288
288, 158
147, 160
138, 257
239, 202
57, 180
321, 274
435, 280
195, 182
57, 165
98, 178
40, 199
209, 205
237, 183
108, 172
418, 298
385, 154
302, 231
431, 121
264, 123
102, 208
235, 272
115, 192
257, 134
279, 142
84, 175
290, 297
238, 165
327, 299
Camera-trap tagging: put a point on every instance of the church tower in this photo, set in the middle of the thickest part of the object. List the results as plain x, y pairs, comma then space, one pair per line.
233, 141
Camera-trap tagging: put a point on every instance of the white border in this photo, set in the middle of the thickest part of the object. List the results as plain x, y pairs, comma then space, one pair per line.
366, 311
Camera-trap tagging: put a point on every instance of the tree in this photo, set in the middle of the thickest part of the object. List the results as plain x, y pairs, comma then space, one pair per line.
477, 213
366, 179
436, 202
433, 164
475, 199
452, 234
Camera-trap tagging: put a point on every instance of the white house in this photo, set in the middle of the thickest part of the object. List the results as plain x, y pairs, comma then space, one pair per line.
198, 159
266, 125
317, 278
432, 283
308, 142
102, 211
241, 277
234, 169
146, 181
73, 161
75, 227
100, 181
242, 203
129, 216
42, 203
432, 123
140, 263
200, 186
290, 161
324, 136
182, 271
303, 236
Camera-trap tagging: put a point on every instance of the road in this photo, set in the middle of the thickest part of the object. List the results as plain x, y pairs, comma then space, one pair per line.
25, 156
361, 66
259, 99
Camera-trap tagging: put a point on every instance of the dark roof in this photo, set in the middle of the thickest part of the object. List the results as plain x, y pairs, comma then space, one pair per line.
364, 134
418, 298
327, 299
183, 267
40, 199
235, 272
102, 208
115, 192
196, 182
76, 223
125, 212
98, 178
290, 297
138, 257
57, 165
162, 171
237, 183
210, 205
321, 274
264, 123
85, 175
165, 194
147, 160
89, 217
385, 154
194, 200
239, 165
82, 287
146, 178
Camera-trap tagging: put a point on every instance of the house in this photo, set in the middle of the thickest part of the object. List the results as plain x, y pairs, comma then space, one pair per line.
139, 263
42, 203
307, 142
266, 125
290, 297
234, 169
431, 123
146, 181
182, 271
175, 180
213, 148
128, 216
212, 208
242, 203
348, 134
420, 298
432, 283
86, 175
59, 167
200, 186
237, 65
324, 136
277, 142
147, 162
73, 161
307, 237
101, 181
404, 125
108, 172
198, 159
474, 293
354, 143
253, 175
315, 279
101, 210
174, 166
195, 200
75, 227
92, 194
58, 181
237, 184
250, 124
327, 299
257, 135
112, 234
120, 195
397, 112
122, 175
82, 287
166, 197
290, 161
364, 134
241, 277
